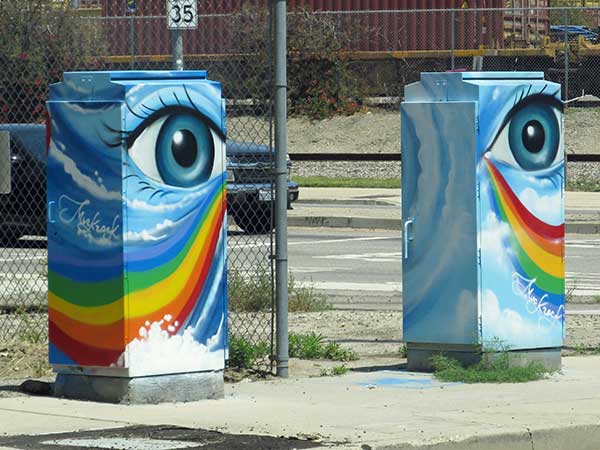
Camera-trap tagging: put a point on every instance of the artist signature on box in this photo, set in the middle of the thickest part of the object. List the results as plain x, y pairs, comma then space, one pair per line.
87, 221
524, 288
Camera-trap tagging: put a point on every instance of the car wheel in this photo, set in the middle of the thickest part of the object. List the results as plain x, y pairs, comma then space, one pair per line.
252, 216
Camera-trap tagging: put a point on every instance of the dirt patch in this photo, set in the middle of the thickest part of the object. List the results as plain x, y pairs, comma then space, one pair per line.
378, 131
375, 335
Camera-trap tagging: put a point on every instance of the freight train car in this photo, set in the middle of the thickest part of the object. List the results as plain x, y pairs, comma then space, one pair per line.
383, 25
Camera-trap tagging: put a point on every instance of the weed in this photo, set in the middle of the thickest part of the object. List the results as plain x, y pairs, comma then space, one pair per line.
313, 346
334, 371
581, 349
489, 370
250, 291
583, 185
303, 298
243, 354
403, 351
253, 292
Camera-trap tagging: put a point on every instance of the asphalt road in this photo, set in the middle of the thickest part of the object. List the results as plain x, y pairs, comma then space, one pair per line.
363, 269
355, 268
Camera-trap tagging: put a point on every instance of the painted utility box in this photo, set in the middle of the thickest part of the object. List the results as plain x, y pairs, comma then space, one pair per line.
137, 225
482, 206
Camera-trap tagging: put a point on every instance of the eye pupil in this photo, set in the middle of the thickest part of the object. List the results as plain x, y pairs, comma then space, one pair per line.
533, 136
184, 148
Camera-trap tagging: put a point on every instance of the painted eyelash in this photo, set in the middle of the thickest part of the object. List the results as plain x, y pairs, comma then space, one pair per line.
124, 137
521, 100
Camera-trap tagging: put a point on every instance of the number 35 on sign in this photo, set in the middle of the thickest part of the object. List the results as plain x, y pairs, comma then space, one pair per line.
182, 14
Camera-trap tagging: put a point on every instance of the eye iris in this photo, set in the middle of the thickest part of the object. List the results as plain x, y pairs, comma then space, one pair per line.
185, 151
184, 148
534, 136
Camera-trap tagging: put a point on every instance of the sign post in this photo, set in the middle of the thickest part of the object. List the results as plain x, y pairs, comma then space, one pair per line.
131, 10
181, 15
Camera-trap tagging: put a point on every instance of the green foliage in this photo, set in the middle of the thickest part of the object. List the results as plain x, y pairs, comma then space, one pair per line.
583, 185
39, 40
574, 16
303, 298
252, 292
490, 370
319, 181
582, 349
403, 351
334, 371
320, 80
313, 346
243, 354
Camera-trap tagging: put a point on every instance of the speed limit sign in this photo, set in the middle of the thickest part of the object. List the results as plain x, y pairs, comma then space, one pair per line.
182, 14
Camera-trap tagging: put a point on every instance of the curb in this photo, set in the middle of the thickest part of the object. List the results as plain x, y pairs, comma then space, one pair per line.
578, 437
396, 224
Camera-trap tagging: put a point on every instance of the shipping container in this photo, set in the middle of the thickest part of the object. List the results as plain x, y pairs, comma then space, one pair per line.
383, 25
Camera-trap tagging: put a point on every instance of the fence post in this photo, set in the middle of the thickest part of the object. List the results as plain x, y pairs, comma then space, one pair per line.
452, 37
281, 188
566, 94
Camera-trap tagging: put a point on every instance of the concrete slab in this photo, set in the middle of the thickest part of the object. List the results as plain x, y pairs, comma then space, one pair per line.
382, 409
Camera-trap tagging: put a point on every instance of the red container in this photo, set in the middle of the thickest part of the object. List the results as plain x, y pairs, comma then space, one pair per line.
388, 25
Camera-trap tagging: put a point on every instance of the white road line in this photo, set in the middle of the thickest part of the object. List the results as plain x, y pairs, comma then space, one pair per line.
319, 269
369, 257
335, 241
324, 241
365, 287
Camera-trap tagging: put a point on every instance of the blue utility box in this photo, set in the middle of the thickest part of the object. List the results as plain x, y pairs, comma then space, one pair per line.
137, 235
482, 206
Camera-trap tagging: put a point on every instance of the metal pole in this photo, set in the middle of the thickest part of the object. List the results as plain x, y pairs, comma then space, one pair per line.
452, 37
132, 39
177, 45
566, 94
281, 187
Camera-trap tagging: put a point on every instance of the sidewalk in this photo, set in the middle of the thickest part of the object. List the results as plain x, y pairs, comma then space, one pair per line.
383, 409
381, 209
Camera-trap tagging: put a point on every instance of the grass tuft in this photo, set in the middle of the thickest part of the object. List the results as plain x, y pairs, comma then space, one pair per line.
313, 346
243, 353
334, 371
490, 370
253, 293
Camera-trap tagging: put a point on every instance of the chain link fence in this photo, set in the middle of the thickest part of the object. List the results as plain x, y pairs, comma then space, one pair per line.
43, 39
338, 60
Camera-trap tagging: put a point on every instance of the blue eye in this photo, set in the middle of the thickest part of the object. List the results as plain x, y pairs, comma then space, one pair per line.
185, 151
529, 137
177, 148
534, 136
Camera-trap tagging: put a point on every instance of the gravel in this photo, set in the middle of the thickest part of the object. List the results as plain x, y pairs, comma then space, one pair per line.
581, 172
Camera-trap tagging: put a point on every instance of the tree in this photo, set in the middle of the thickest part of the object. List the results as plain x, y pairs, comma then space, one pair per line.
39, 40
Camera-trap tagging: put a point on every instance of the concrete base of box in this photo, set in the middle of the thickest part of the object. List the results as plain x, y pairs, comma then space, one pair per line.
185, 387
419, 356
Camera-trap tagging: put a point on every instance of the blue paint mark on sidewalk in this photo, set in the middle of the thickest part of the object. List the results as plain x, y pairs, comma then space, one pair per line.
405, 381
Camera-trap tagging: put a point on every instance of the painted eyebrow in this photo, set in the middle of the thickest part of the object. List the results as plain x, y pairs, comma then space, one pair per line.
540, 97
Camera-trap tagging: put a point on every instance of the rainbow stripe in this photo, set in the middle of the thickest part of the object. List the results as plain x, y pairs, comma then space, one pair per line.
91, 323
537, 247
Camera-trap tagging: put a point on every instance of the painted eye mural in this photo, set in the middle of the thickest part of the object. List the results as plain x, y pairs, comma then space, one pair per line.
530, 135
522, 235
152, 163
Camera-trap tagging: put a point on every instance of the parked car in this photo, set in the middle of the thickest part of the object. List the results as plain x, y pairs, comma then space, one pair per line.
557, 33
250, 189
